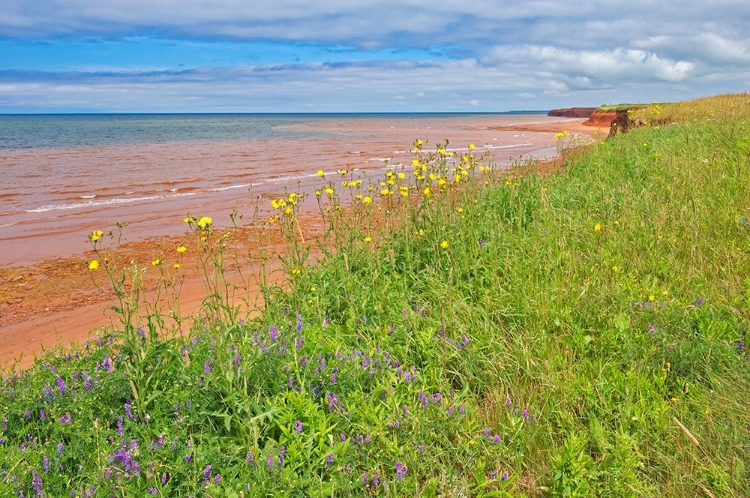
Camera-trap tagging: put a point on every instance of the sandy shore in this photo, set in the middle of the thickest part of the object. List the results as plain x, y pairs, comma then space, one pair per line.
57, 303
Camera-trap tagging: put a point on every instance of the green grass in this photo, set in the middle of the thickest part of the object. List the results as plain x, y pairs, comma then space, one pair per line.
581, 334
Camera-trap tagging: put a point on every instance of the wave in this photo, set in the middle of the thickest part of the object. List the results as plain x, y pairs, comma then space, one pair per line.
95, 203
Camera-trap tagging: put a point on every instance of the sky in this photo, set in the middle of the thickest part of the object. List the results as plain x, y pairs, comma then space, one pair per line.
59, 56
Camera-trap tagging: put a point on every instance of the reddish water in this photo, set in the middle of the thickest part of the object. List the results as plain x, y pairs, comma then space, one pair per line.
53, 197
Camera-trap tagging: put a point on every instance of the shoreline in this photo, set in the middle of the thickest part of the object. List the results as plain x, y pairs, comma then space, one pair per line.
55, 303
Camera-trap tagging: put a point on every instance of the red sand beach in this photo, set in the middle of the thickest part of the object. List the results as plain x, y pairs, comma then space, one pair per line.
47, 296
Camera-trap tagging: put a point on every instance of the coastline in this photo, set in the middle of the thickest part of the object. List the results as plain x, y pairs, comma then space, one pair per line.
55, 302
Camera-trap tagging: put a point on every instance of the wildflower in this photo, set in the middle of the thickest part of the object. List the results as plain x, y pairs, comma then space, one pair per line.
321, 172
329, 459
598, 227
651, 297
207, 472
444, 244
472, 146
156, 262
298, 426
401, 470
93, 265
176, 266
61, 385
367, 200
427, 192
205, 221
181, 249
96, 235
206, 367
368, 239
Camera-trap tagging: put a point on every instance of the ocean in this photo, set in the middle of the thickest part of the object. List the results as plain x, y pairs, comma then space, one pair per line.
66, 175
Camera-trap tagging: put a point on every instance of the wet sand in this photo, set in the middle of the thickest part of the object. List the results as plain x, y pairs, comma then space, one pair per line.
54, 302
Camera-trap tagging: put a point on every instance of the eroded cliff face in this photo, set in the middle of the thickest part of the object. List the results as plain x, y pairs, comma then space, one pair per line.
601, 118
573, 112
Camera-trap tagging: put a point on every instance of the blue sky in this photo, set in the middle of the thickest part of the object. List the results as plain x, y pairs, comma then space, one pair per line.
364, 56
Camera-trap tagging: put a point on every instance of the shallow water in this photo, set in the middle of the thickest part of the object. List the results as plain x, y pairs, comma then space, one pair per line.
68, 175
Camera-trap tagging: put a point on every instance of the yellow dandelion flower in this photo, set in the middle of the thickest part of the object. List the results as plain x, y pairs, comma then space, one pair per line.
651, 297
401, 175
472, 146
427, 192
598, 227
615, 268
368, 239
288, 210
96, 235
444, 244
460, 210
296, 271
321, 172
188, 219
181, 249
665, 292
329, 191
313, 289
367, 200
318, 193
415, 162
204, 221
93, 265
176, 266
156, 262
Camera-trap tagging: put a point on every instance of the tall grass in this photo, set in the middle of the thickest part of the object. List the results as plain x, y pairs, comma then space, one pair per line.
455, 330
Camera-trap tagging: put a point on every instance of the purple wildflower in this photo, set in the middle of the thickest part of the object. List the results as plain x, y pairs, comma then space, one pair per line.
45, 463
496, 439
128, 412
343, 438
298, 426
27, 414
505, 475
47, 392
364, 479
152, 490
273, 333
61, 387
36, 483
60, 448
65, 419
188, 458
465, 340
299, 322
207, 472
329, 459
249, 458
461, 409
507, 402
406, 410
698, 301
401, 470
450, 411
206, 367
486, 432
525, 414
651, 329
107, 364
119, 425
270, 461
376, 480
217, 478
164, 478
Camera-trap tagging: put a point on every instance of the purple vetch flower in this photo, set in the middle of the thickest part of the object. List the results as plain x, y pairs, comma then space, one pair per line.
206, 367
60, 448
282, 453
698, 301
651, 330
343, 438
250, 459
740, 345
270, 461
298, 426
272, 333
391, 327
164, 477
486, 432
47, 392
525, 414
27, 414
128, 412
401, 470
107, 364
450, 411
367, 439
303, 361
45, 464
188, 458
482, 242
364, 479
406, 410
404, 313
329, 459
207, 472
299, 322
217, 478
465, 340
507, 402
505, 475
36, 483
119, 425
420, 448
348, 467
61, 387
152, 490
237, 360
142, 331
496, 439
461, 409
376, 480
515, 412
65, 419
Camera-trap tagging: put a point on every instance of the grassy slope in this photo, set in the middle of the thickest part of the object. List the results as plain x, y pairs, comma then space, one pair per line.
609, 302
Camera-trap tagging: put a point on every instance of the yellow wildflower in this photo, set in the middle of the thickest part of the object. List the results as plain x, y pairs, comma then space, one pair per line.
401, 175
427, 192
598, 227
472, 146
318, 193
176, 266
288, 210
181, 249
367, 200
329, 191
651, 297
93, 265
415, 162
296, 271
188, 219
321, 172
204, 221
96, 235
444, 244
156, 262
368, 239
